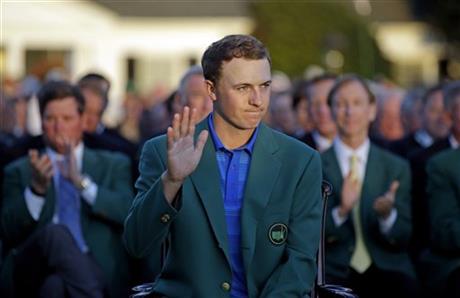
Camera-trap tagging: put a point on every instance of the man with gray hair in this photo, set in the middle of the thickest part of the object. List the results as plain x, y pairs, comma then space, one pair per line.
192, 93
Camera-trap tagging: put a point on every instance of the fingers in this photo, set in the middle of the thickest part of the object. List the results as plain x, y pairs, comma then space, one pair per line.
201, 141
184, 125
170, 137
176, 126
391, 193
394, 187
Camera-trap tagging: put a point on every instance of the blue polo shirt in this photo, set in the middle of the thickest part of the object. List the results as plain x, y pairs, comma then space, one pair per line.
233, 168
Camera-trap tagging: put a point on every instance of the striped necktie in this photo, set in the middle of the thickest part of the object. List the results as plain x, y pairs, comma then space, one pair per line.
69, 211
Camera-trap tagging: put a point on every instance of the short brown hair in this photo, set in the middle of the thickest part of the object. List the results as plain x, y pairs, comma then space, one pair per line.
229, 47
58, 90
345, 79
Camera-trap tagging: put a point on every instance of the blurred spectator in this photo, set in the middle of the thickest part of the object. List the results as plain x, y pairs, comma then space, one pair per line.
95, 89
300, 106
411, 110
368, 225
443, 192
155, 118
433, 125
282, 114
192, 92
63, 210
132, 111
388, 125
324, 128
419, 159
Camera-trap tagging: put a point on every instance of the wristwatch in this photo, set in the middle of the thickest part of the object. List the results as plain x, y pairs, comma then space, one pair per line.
85, 182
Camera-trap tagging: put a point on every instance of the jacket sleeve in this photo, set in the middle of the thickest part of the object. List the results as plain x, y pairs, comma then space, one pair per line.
444, 208
295, 277
16, 221
150, 216
114, 197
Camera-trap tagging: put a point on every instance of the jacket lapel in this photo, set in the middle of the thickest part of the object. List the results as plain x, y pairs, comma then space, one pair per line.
206, 180
262, 176
370, 183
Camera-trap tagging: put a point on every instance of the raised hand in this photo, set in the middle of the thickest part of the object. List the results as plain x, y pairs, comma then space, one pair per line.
384, 204
68, 167
351, 190
42, 172
183, 153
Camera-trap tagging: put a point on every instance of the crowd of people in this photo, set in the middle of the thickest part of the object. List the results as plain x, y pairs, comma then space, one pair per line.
391, 155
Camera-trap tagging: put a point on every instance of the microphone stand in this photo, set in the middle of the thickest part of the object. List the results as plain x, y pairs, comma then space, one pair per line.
323, 290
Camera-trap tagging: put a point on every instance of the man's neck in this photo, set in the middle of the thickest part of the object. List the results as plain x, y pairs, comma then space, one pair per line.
229, 135
353, 141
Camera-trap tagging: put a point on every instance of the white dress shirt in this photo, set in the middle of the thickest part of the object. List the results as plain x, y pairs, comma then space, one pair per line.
35, 203
343, 154
423, 138
322, 143
453, 142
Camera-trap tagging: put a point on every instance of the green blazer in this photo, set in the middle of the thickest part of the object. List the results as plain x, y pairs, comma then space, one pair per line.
283, 187
388, 252
102, 222
443, 192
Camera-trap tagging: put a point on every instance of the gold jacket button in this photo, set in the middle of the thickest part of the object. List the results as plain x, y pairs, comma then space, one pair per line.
225, 286
165, 218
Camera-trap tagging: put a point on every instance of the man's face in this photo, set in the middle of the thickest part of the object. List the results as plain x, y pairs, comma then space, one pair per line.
319, 109
283, 116
61, 121
455, 117
390, 125
353, 110
94, 106
241, 95
197, 96
434, 119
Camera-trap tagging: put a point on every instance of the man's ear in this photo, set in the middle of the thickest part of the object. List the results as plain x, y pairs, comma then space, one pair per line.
211, 88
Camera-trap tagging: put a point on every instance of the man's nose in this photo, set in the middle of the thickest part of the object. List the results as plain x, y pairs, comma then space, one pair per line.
255, 98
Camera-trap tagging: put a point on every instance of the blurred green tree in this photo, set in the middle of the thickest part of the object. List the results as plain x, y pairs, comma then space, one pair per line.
303, 33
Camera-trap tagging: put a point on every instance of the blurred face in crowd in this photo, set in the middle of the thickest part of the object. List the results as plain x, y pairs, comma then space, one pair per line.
197, 96
302, 115
434, 120
241, 94
282, 113
455, 117
319, 109
60, 121
389, 124
94, 107
353, 111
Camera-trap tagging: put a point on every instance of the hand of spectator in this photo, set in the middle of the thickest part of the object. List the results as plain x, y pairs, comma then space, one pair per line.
183, 154
68, 167
384, 204
42, 172
351, 190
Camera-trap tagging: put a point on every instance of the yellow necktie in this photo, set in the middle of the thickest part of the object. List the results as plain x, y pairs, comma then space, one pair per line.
360, 260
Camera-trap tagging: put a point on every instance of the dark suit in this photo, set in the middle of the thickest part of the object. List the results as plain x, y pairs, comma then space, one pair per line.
283, 187
308, 139
421, 226
101, 223
405, 146
443, 192
388, 252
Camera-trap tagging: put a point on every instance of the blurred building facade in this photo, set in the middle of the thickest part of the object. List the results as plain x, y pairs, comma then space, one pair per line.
136, 46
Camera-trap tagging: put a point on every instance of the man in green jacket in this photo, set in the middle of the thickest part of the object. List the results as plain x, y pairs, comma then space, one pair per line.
239, 202
442, 262
63, 210
368, 226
